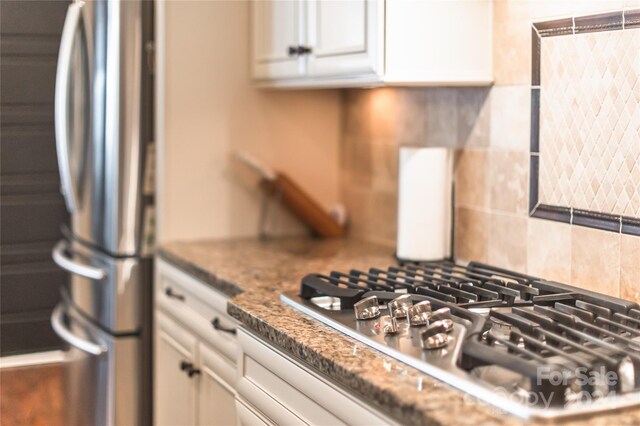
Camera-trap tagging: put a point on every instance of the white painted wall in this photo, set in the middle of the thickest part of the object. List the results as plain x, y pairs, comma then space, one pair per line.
207, 108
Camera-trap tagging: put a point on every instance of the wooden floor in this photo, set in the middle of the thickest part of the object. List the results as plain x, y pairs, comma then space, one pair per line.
31, 396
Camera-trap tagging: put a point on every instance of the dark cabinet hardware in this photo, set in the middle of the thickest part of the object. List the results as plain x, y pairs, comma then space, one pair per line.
169, 292
216, 324
299, 50
188, 367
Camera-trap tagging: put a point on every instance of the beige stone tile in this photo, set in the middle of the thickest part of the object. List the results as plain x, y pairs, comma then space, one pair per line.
441, 115
357, 164
471, 178
372, 214
595, 260
511, 117
549, 250
508, 173
471, 234
385, 114
630, 267
474, 115
358, 202
511, 44
356, 118
384, 170
507, 241
384, 218
410, 109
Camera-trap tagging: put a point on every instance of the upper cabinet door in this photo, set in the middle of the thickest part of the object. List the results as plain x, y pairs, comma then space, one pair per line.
276, 30
345, 36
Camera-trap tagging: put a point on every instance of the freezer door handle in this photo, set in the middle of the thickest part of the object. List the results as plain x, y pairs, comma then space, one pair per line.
61, 102
57, 323
61, 259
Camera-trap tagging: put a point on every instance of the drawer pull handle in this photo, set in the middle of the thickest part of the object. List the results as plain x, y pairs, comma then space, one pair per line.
169, 292
188, 367
216, 324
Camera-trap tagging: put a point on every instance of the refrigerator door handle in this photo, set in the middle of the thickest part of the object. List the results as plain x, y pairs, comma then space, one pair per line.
59, 255
57, 323
61, 103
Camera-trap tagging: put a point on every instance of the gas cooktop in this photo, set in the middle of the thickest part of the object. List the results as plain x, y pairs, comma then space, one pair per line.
532, 347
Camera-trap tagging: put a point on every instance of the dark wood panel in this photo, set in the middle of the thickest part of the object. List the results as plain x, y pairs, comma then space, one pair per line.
30, 184
21, 45
26, 334
24, 253
40, 281
28, 151
22, 116
29, 218
31, 17
27, 80
31, 207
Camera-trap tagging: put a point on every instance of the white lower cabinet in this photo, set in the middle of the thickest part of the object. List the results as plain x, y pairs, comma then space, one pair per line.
273, 388
194, 352
216, 397
175, 396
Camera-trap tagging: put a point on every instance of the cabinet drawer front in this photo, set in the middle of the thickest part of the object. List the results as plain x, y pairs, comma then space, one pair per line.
247, 416
307, 395
196, 305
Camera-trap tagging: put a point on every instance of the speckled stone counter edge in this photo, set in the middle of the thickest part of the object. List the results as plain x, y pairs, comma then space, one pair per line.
226, 287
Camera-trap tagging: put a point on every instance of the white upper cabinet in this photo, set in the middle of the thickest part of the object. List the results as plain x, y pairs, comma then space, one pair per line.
276, 37
350, 43
342, 37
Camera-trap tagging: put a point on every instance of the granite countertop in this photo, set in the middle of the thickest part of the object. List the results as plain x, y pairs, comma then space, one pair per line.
254, 273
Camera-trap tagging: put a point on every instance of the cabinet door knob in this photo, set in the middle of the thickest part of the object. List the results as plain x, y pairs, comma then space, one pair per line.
304, 50
186, 365
193, 372
216, 324
299, 50
170, 293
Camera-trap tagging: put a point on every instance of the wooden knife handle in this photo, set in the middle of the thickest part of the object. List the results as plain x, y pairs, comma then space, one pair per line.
304, 207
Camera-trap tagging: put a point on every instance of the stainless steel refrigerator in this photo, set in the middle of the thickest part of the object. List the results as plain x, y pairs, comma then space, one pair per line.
103, 126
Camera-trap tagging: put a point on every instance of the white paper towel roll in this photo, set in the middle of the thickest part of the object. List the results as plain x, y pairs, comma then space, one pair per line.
424, 203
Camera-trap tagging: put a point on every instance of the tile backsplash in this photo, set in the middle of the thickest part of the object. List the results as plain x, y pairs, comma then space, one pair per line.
586, 83
490, 127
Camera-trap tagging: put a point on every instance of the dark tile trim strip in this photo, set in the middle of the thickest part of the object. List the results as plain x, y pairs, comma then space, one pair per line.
604, 221
632, 18
600, 22
558, 214
535, 121
534, 165
630, 226
554, 28
535, 57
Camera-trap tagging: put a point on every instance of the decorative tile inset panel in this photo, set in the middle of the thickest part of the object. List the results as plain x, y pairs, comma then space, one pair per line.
586, 122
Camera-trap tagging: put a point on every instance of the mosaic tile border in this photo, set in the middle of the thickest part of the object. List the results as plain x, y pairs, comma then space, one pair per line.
609, 21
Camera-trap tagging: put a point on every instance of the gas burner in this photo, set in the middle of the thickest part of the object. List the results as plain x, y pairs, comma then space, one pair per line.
533, 347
